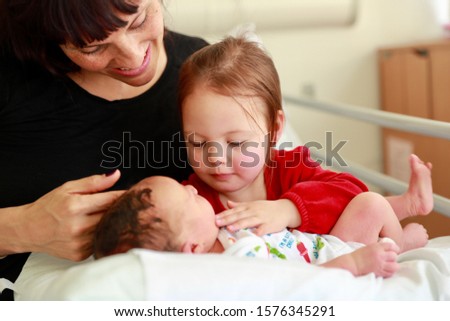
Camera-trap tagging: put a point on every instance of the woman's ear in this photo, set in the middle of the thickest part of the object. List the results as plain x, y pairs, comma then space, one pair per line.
280, 121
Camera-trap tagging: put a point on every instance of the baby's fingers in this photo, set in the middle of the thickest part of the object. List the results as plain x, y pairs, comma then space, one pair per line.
390, 269
390, 257
389, 245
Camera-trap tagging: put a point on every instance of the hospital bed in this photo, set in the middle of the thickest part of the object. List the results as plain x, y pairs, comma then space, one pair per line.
147, 275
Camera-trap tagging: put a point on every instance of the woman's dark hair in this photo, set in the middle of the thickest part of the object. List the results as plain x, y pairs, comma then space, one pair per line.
32, 30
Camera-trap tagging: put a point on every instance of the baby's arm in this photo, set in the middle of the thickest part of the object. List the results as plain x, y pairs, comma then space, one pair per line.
379, 258
264, 216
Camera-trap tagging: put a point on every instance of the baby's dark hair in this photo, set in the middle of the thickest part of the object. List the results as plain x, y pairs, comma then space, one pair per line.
132, 222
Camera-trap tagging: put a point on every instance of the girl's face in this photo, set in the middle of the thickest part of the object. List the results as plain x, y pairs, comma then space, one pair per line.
226, 138
132, 54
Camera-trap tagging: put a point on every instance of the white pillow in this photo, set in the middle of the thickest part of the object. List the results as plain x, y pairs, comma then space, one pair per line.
148, 275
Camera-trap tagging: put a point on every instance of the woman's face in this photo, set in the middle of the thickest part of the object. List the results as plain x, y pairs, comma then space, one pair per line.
132, 54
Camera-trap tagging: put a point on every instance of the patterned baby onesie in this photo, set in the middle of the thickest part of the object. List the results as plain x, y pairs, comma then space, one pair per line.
285, 245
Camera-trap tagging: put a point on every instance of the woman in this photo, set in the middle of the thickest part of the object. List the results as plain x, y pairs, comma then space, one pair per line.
86, 87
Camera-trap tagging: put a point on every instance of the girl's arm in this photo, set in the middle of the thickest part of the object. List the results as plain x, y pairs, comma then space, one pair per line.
320, 195
301, 195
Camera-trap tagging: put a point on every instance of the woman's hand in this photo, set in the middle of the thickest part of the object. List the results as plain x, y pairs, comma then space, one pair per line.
62, 222
264, 216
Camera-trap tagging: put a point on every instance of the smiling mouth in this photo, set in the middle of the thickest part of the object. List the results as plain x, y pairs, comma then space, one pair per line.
129, 72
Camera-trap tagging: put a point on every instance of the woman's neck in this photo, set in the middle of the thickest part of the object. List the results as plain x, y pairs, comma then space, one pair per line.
108, 88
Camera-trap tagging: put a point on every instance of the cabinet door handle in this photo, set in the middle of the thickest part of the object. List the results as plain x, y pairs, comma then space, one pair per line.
421, 52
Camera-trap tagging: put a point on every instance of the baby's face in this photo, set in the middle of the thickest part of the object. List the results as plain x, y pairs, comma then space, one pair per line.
189, 215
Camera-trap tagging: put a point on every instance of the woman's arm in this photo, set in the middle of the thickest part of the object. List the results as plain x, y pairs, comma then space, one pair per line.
60, 223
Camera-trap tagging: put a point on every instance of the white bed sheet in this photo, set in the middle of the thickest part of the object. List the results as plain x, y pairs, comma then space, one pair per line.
148, 275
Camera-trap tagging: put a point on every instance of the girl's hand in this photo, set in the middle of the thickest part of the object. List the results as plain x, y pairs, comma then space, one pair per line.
62, 222
264, 216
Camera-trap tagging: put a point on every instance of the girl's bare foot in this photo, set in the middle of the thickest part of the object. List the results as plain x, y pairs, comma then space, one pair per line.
414, 236
420, 190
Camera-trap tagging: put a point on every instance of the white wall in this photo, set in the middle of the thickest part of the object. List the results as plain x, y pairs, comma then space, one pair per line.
340, 64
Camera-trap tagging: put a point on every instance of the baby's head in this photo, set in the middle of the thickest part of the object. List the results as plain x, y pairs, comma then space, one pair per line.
158, 213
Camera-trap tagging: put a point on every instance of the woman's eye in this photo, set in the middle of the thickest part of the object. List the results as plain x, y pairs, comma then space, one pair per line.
91, 50
139, 23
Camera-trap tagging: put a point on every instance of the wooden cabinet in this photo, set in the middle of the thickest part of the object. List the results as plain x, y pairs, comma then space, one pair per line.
415, 80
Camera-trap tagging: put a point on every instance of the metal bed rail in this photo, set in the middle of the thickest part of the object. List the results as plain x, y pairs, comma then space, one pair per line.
411, 124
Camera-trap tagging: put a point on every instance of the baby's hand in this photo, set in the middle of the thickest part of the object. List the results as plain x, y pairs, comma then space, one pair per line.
379, 258
263, 216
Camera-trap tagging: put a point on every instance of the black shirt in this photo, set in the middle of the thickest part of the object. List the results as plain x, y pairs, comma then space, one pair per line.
53, 131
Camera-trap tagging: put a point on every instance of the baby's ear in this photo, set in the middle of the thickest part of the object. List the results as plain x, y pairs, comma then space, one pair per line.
188, 247
191, 248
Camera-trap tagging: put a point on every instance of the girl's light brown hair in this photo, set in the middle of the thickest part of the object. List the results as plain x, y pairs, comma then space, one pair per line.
234, 67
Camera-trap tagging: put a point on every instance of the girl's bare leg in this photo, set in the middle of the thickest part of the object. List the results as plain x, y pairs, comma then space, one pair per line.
370, 216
